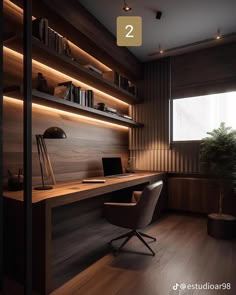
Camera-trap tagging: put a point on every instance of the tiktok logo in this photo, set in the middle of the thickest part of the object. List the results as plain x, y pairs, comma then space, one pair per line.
175, 287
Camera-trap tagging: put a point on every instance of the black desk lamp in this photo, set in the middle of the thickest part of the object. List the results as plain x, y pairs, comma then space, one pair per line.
44, 160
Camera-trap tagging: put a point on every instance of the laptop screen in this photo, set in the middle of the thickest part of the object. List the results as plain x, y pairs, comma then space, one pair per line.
112, 166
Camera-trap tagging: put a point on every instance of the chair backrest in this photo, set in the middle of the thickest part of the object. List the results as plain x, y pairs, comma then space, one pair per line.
147, 203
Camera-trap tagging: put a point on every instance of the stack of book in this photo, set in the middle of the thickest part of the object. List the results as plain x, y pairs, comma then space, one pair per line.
120, 81
125, 83
49, 37
70, 92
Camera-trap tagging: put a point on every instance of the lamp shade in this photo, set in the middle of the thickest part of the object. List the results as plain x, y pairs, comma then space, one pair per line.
54, 133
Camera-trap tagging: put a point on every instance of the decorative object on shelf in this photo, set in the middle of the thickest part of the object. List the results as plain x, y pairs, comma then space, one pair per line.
218, 159
44, 160
93, 69
127, 117
62, 91
15, 181
67, 88
131, 88
130, 165
42, 84
66, 47
101, 106
111, 110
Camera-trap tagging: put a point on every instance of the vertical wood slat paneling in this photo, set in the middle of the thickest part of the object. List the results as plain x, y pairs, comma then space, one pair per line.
150, 145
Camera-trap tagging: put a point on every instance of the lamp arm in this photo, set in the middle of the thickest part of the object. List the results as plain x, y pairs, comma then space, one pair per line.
39, 148
43, 154
48, 162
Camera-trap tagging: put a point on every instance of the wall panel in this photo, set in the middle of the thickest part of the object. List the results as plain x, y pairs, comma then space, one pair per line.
150, 145
76, 157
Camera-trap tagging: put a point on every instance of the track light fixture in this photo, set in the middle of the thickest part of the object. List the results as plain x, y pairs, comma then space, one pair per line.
196, 45
126, 7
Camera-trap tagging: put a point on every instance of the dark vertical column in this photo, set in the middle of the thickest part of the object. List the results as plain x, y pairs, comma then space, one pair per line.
27, 109
170, 108
1, 144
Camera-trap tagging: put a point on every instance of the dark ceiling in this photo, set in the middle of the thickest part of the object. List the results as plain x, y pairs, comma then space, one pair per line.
182, 22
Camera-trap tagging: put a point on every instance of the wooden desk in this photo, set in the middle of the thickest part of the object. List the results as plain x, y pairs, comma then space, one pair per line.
73, 191
44, 204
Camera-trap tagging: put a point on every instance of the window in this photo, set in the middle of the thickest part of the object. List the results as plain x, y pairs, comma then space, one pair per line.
194, 116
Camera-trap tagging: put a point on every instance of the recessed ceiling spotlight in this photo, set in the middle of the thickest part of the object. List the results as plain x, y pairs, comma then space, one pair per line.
160, 50
126, 7
218, 36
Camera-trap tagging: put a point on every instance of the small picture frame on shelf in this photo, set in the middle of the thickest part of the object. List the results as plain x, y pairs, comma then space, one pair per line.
62, 91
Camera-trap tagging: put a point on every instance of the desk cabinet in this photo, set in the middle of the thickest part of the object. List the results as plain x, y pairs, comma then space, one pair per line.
199, 195
64, 219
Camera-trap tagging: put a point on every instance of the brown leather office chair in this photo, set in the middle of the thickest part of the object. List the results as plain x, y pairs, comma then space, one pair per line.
135, 215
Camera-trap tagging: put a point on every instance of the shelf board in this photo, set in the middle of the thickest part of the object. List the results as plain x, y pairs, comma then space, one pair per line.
65, 105
66, 65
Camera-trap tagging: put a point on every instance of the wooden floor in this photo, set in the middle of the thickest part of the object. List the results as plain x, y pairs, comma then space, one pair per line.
184, 254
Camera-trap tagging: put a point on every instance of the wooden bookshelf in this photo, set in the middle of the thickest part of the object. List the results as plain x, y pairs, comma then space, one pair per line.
65, 105
68, 66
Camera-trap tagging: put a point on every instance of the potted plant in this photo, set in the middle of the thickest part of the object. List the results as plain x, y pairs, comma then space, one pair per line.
218, 159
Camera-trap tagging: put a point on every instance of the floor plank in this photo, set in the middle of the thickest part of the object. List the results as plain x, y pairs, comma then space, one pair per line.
184, 254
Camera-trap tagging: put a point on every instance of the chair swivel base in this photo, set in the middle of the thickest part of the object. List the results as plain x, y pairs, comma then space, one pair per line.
129, 235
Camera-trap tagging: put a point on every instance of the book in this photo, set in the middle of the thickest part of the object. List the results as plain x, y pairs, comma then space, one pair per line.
117, 79
82, 97
37, 28
45, 31
50, 38
76, 94
60, 44
90, 98
40, 29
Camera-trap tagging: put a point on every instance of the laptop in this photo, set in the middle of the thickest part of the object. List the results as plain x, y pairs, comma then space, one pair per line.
112, 167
